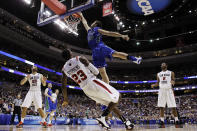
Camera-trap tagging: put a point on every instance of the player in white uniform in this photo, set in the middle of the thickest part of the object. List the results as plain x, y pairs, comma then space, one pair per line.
165, 81
34, 94
84, 73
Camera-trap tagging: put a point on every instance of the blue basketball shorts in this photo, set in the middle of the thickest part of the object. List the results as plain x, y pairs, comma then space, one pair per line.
100, 53
52, 106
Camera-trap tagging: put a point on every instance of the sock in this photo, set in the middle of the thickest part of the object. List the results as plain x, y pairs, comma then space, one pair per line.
43, 120
176, 118
162, 119
131, 58
49, 121
22, 120
105, 112
123, 119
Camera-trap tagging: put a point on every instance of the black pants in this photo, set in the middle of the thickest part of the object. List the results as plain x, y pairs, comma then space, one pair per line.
17, 110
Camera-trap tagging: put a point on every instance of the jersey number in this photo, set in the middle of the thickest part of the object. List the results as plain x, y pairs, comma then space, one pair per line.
34, 82
80, 76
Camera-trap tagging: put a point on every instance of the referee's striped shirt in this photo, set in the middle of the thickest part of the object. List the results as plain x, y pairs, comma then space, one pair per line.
17, 102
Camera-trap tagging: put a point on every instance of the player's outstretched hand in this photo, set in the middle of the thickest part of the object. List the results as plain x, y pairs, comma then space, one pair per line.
125, 37
65, 103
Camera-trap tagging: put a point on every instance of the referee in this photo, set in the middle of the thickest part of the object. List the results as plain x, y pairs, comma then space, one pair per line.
17, 108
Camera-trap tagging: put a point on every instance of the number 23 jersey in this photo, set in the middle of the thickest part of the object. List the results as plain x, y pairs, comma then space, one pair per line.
74, 69
165, 78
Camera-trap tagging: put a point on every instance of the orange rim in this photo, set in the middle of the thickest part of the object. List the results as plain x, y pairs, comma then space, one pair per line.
76, 15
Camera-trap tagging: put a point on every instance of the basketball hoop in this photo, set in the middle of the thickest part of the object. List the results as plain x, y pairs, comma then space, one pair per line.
73, 21
56, 11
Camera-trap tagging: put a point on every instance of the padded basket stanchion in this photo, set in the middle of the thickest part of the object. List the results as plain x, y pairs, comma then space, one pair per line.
55, 6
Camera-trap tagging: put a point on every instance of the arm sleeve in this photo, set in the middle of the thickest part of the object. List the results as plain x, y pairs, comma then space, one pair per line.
93, 69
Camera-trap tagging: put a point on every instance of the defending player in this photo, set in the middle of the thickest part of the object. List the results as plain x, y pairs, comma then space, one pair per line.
100, 51
83, 73
34, 94
165, 81
48, 98
51, 101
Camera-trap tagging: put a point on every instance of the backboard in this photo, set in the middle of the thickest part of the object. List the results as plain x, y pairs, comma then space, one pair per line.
51, 10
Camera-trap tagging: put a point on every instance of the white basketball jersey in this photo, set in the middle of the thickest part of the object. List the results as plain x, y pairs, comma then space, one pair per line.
35, 82
74, 69
54, 97
165, 78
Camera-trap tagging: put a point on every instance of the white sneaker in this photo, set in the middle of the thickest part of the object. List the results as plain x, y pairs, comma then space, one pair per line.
108, 122
101, 121
138, 60
129, 125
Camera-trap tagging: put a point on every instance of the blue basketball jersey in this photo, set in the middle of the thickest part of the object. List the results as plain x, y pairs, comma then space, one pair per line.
49, 93
49, 105
48, 100
94, 38
100, 51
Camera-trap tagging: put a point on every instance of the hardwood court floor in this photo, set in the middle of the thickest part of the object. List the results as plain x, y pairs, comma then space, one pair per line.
95, 128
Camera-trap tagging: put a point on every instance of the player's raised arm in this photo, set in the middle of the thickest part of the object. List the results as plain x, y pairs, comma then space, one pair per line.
113, 34
89, 65
64, 89
173, 79
156, 84
43, 80
84, 21
23, 81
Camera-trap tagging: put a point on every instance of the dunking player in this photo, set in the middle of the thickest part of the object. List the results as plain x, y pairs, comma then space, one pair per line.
100, 51
83, 73
165, 81
34, 94
51, 102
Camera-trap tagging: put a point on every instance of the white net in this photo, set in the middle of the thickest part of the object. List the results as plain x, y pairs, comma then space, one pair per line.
73, 21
